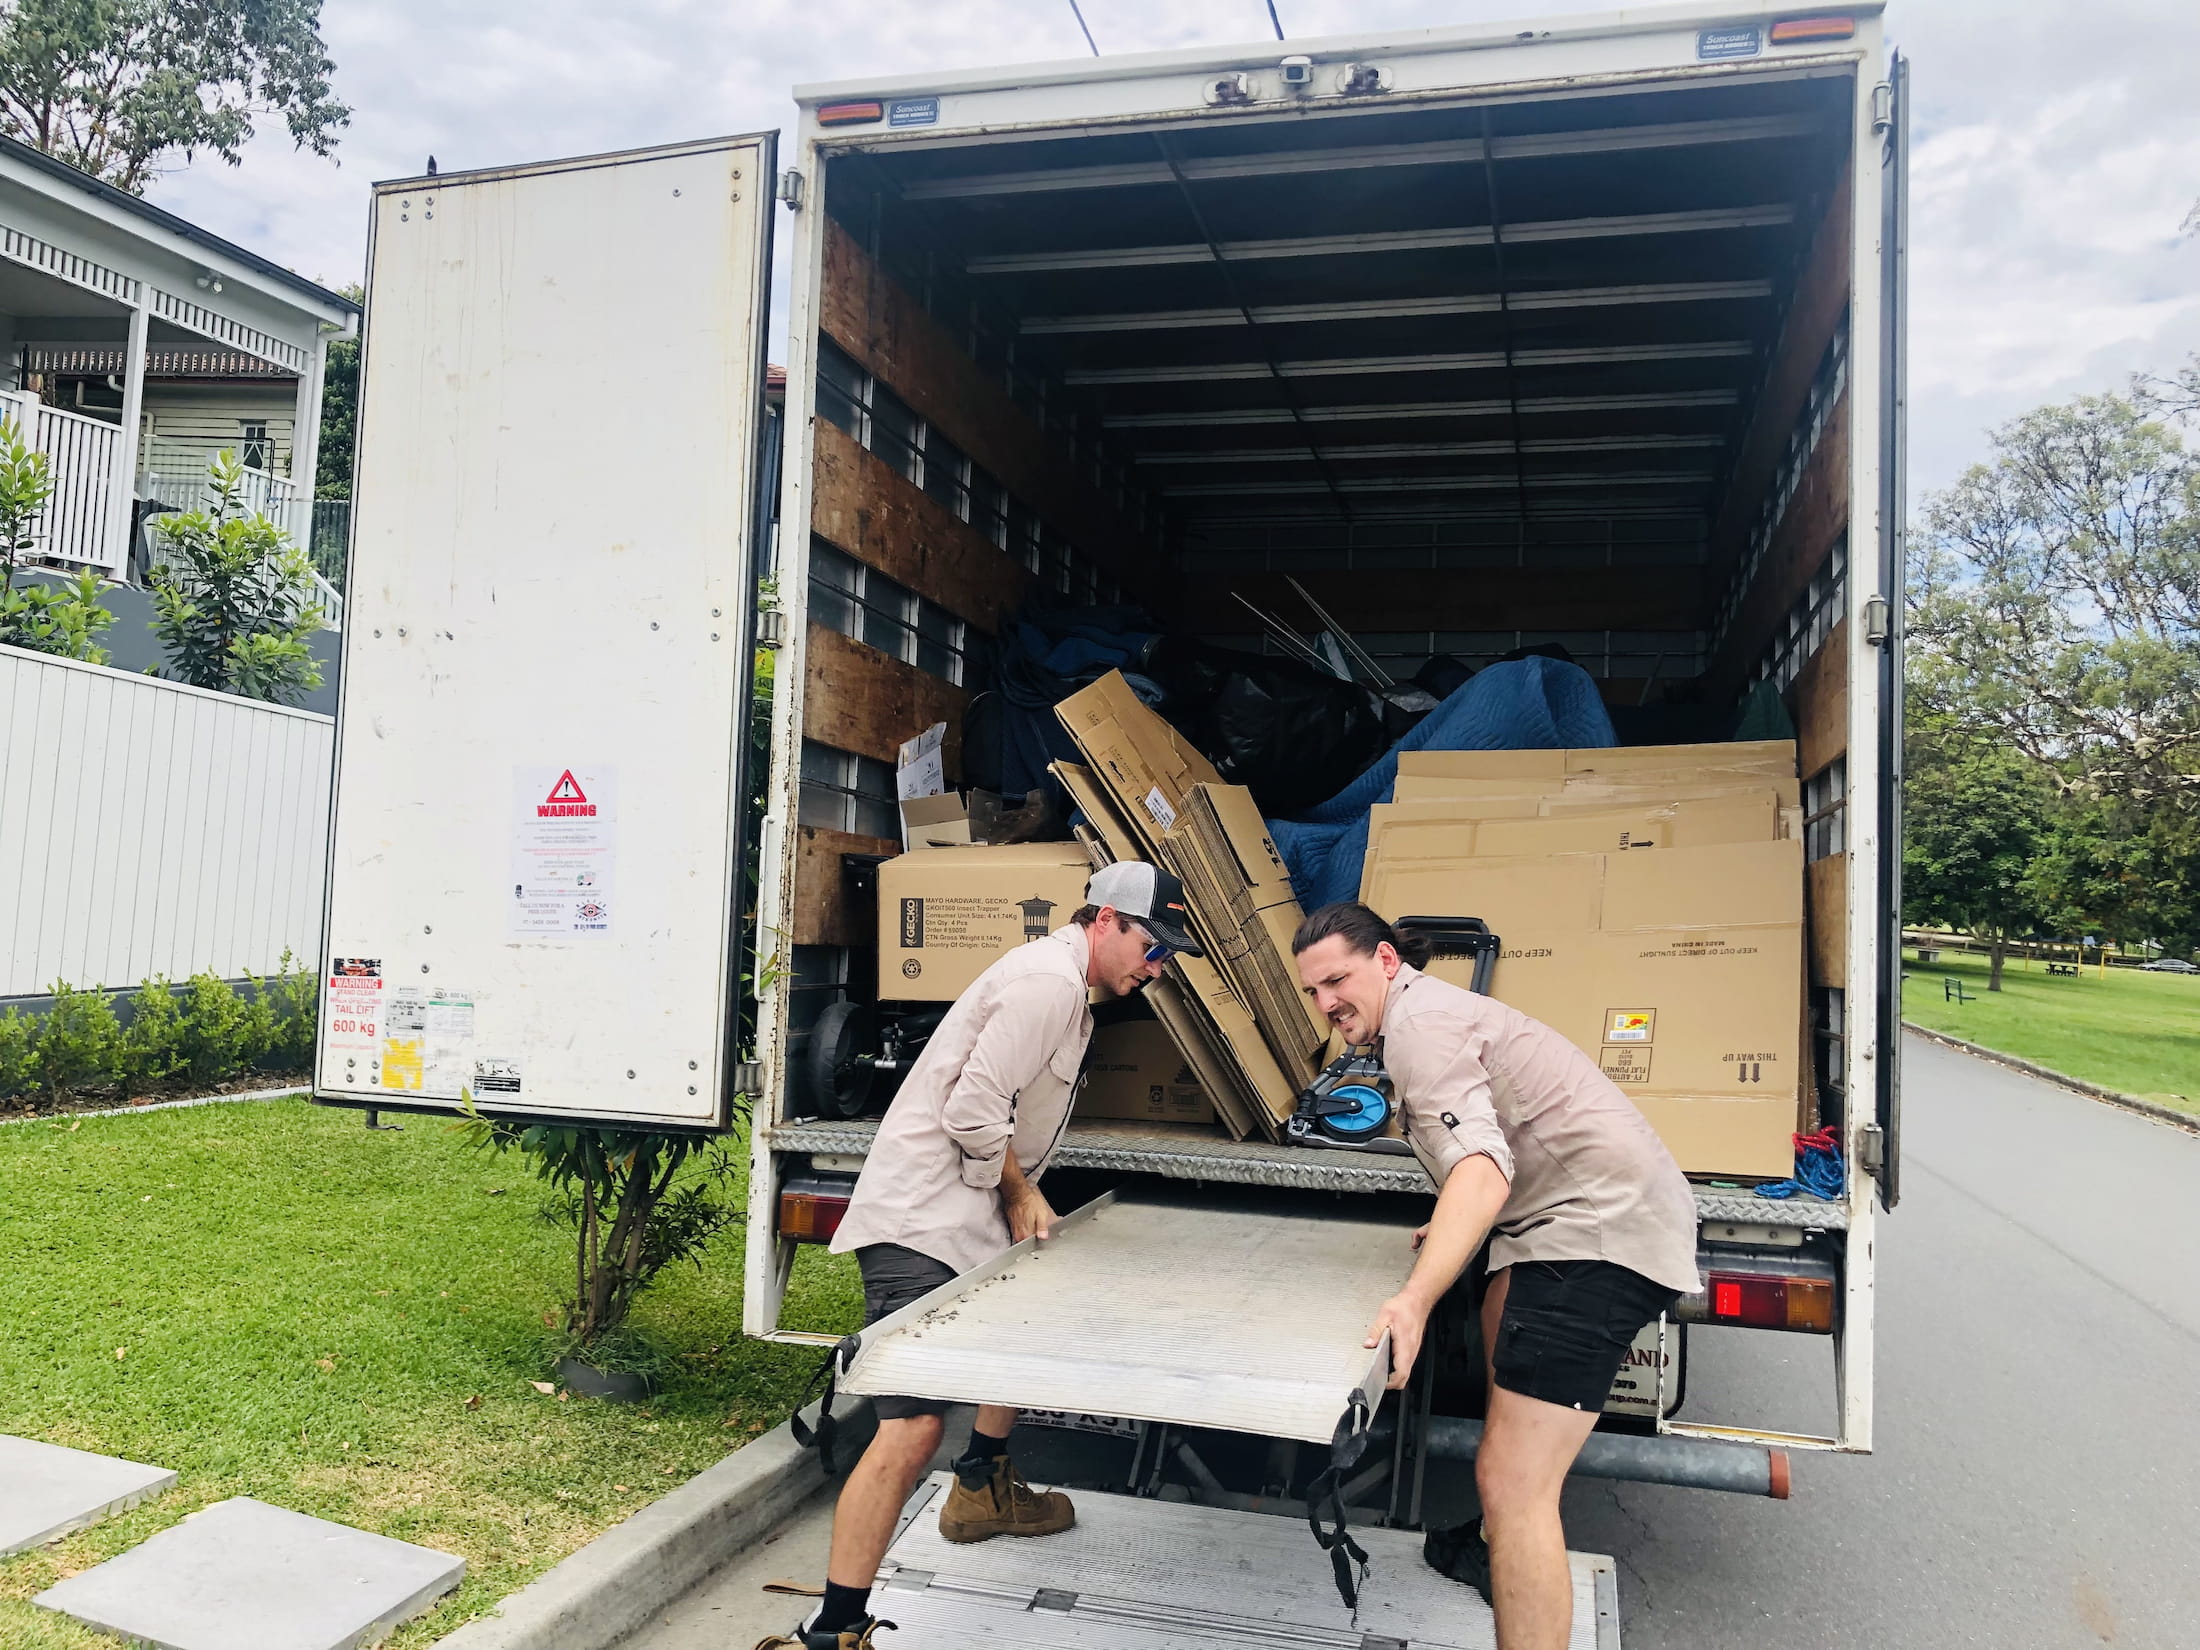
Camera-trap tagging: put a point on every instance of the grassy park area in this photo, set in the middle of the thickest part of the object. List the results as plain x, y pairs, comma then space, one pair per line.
277, 1303
2126, 1030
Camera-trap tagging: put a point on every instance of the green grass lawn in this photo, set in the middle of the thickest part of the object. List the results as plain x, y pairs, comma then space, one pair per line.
2127, 1030
277, 1303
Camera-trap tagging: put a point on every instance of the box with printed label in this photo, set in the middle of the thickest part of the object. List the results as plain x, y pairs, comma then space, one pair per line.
1149, 766
1136, 1071
1676, 971
947, 914
1416, 829
1774, 758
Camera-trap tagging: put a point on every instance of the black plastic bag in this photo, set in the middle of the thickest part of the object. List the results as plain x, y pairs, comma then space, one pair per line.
1291, 734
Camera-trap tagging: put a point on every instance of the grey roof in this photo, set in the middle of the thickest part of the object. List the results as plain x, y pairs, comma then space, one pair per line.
39, 161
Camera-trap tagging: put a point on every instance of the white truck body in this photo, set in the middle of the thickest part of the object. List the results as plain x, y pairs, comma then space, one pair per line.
536, 607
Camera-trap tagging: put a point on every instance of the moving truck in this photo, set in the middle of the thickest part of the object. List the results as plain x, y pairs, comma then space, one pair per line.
1586, 331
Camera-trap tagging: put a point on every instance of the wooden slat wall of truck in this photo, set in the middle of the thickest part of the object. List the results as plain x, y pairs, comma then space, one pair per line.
1819, 702
879, 322
1818, 514
855, 697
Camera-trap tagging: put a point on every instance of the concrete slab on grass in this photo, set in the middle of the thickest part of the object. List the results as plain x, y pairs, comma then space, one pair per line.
47, 1491
243, 1575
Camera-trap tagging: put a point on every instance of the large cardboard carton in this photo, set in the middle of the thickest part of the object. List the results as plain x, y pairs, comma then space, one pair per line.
1149, 766
1677, 971
1418, 830
1771, 757
1136, 1071
947, 914
1601, 790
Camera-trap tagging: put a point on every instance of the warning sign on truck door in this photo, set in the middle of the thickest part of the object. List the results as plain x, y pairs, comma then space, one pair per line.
564, 848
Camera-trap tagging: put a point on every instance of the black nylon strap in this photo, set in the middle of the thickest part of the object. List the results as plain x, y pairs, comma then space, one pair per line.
820, 1437
1347, 1558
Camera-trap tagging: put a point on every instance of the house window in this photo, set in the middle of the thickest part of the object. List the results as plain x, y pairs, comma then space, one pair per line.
256, 451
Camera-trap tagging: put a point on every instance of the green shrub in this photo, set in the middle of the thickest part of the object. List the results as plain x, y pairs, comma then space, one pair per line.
153, 1047
294, 995
218, 1031
79, 1047
18, 1067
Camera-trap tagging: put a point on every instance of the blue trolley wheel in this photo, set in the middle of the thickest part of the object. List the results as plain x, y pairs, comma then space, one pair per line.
1371, 1111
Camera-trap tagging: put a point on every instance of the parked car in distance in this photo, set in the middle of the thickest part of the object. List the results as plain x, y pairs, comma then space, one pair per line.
2169, 965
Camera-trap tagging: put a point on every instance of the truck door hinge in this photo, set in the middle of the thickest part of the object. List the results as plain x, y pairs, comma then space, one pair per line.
1882, 107
748, 1078
771, 627
1876, 618
790, 187
1872, 1149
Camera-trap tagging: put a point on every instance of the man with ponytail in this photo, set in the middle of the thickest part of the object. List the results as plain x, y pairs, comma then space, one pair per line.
1591, 1230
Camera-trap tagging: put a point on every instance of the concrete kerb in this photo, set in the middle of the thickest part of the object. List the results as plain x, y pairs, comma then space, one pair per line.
625, 1576
2185, 1120
297, 1090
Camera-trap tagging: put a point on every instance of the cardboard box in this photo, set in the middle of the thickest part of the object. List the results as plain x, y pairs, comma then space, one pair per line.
1598, 790
947, 914
1677, 971
1147, 764
1774, 758
1421, 829
941, 821
1136, 1071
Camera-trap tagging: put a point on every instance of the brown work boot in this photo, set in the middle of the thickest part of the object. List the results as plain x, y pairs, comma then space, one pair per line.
1006, 1505
857, 1637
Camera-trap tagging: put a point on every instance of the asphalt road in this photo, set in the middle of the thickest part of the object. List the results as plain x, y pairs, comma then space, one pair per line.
2036, 1480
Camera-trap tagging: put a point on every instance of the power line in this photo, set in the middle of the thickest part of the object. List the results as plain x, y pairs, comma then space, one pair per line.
1273, 18
1077, 12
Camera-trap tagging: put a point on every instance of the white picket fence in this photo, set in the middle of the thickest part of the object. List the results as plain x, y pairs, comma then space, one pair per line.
148, 827
83, 522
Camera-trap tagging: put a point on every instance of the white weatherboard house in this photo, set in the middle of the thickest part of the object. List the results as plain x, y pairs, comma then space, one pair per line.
134, 346
146, 826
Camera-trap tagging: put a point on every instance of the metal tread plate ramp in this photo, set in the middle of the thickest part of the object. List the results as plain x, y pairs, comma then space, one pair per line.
1250, 1320
1135, 1574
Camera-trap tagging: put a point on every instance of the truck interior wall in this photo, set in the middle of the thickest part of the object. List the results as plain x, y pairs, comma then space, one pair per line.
863, 701
949, 295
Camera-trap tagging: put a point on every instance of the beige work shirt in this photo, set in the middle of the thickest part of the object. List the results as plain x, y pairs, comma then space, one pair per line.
1589, 1177
999, 1073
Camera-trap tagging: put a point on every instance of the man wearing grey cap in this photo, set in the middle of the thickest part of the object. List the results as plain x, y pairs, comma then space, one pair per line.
951, 1181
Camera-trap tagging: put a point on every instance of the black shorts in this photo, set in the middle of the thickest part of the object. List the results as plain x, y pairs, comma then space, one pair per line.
1567, 1327
893, 1277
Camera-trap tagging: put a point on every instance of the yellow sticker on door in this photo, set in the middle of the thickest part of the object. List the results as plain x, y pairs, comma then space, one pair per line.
1630, 1025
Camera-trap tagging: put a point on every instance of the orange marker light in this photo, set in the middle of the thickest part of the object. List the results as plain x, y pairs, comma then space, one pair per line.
850, 114
1788, 32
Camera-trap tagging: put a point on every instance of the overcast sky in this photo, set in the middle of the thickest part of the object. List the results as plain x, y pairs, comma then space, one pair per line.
2057, 146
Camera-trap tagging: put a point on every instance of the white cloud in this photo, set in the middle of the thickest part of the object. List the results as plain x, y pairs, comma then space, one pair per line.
2056, 153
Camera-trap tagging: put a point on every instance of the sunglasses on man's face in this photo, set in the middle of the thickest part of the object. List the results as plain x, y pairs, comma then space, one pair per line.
1159, 951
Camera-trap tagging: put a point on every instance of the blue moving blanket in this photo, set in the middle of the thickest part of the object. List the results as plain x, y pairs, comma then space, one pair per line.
1524, 705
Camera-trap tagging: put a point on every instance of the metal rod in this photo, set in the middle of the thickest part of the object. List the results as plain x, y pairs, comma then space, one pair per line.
1690, 1463
1273, 18
1290, 640
1360, 656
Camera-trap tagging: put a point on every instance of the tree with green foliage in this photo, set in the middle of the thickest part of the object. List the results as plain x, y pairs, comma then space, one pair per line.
339, 411
60, 619
1974, 818
114, 87
2055, 607
234, 598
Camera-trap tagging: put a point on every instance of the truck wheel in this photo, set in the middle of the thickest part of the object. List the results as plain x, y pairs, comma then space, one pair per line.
842, 1043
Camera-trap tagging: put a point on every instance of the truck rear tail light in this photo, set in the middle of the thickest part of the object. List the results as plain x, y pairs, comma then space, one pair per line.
1773, 1303
1789, 30
850, 114
1753, 1289
811, 1207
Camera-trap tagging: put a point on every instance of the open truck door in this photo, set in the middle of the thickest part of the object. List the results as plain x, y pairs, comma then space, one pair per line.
535, 868
1893, 118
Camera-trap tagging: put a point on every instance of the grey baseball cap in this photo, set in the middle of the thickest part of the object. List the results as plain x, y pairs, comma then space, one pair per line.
1150, 896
